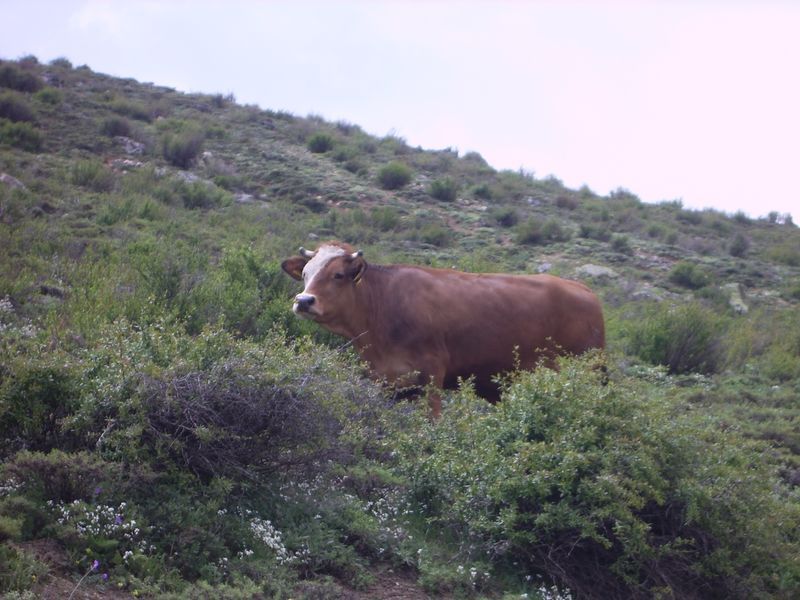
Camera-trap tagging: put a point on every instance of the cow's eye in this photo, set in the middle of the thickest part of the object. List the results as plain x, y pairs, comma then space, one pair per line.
338, 275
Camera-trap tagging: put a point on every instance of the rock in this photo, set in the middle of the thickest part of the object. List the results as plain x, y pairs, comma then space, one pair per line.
646, 293
189, 177
125, 164
736, 301
596, 271
544, 267
129, 146
242, 198
12, 182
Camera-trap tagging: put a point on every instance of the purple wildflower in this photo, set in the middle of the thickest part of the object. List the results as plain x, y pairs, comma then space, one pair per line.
95, 565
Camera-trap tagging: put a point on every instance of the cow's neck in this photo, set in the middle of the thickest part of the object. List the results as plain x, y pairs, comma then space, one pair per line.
370, 306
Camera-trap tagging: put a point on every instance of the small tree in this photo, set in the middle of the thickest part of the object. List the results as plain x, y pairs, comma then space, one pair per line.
445, 190
739, 246
182, 148
394, 176
320, 143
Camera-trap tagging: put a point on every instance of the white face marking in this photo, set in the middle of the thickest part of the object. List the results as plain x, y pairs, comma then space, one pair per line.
323, 256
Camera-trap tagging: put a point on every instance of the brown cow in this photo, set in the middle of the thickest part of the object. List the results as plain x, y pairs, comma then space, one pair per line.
417, 325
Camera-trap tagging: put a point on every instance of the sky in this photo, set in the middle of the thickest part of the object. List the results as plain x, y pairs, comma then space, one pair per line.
697, 101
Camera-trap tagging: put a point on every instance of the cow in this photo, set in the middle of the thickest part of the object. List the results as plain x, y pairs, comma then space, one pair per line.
417, 325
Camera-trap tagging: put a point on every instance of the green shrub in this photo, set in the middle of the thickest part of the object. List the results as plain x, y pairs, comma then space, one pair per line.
93, 175
685, 339
180, 149
530, 232
533, 232
445, 190
60, 476
19, 571
61, 63
692, 217
505, 216
607, 491
34, 398
598, 232
787, 253
130, 108
17, 79
567, 202
689, 275
21, 135
49, 95
739, 246
14, 108
199, 194
116, 126
483, 191
621, 243
434, 234
320, 143
394, 176
385, 218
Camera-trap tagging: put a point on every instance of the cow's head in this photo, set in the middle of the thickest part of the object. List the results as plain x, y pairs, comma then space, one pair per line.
330, 274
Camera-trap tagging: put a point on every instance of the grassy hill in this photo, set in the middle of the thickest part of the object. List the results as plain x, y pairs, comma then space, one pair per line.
164, 415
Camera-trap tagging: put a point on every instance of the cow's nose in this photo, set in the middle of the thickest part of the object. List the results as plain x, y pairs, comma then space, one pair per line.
304, 301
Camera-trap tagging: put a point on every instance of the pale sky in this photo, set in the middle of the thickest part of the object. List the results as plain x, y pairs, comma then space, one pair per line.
697, 101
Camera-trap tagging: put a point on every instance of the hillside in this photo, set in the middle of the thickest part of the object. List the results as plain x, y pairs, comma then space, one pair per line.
151, 370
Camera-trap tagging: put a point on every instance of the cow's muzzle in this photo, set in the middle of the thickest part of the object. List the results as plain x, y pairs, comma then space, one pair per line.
303, 303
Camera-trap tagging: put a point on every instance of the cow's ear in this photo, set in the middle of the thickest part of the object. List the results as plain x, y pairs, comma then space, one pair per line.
294, 267
357, 267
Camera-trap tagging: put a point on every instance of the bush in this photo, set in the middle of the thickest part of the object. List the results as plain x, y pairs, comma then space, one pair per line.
92, 174
385, 218
739, 246
787, 253
567, 202
34, 398
17, 79
60, 476
621, 243
483, 191
598, 232
215, 406
49, 95
180, 149
129, 108
18, 571
445, 190
116, 126
394, 176
689, 275
505, 216
530, 232
320, 143
607, 491
534, 232
21, 135
434, 234
15, 108
685, 339
199, 194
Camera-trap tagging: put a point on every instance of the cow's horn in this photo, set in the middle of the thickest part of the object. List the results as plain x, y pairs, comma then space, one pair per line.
357, 254
307, 253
